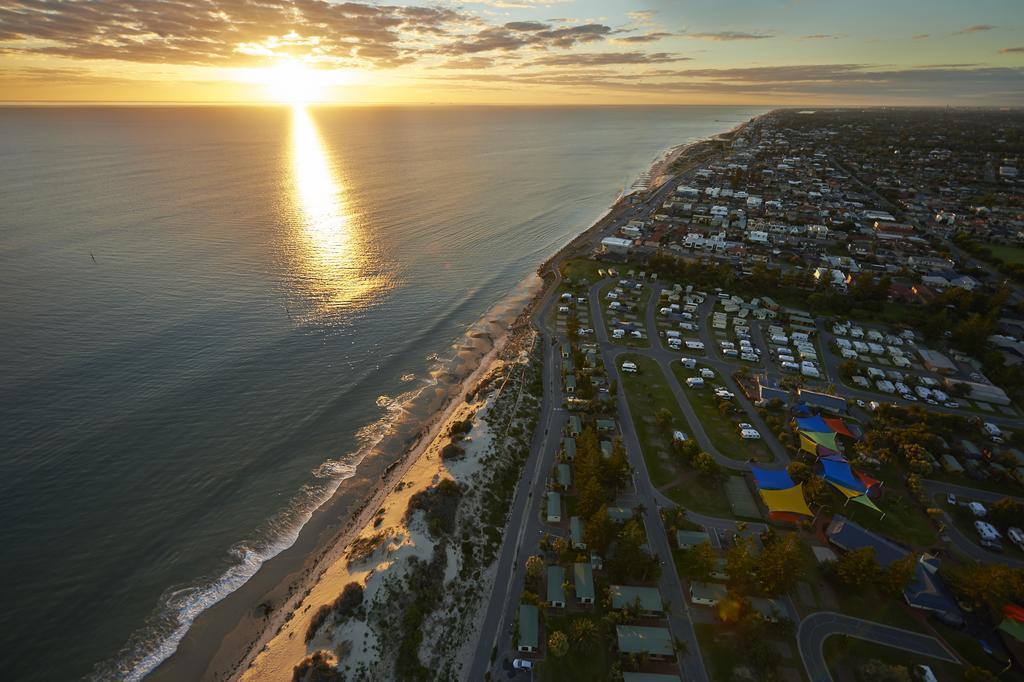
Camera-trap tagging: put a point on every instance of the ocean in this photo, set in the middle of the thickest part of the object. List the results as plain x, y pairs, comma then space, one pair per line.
211, 316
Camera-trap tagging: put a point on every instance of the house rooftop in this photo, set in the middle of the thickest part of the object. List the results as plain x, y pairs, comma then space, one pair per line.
634, 639
624, 596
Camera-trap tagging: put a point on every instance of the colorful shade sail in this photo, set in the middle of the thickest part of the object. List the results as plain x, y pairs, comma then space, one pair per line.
838, 426
813, 425
789, 500
772, 479
826, 439
840, 473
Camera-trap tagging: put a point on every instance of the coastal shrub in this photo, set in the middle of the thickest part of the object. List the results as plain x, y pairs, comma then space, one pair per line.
317, 621
320, 667
452, 451
344, 606
461, 427
439, 503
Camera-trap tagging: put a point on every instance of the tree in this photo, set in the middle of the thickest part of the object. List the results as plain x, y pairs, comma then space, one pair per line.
991, 585
1006, 512
591, 496
535, 567
799, 471
896, 576
558, 644
663, 418
780, 565
583, 633
701, 561
599, 530
706, 466
740, 564
857, 568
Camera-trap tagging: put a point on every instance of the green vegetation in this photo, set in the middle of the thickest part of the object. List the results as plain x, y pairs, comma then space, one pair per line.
863, 658
715, 417
589, 657
692, 493
439, 503
344, 606
648, 393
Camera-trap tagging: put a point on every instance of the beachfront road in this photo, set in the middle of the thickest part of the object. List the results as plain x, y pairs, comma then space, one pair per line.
524, 529
817, 627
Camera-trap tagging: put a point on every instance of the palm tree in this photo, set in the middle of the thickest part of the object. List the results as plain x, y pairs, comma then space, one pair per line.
584, 633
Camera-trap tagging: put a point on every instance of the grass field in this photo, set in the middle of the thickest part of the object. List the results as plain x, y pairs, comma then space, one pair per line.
1007, 253
592, 664
721, 429
647, 392
694, 494
849, 654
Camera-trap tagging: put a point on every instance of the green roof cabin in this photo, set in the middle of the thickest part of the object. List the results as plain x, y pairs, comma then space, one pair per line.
554, 507
576, 533
569, 448
556, 593
528, 628
634, 639
649, 598
564, 475
583, 583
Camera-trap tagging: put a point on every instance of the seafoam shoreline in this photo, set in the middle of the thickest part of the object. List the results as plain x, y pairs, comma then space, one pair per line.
229, 664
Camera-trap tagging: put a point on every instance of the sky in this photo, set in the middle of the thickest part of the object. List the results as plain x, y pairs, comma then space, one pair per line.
778, 52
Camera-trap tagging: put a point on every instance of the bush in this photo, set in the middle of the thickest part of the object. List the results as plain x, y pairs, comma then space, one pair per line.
320, 667
439, 504
452, 451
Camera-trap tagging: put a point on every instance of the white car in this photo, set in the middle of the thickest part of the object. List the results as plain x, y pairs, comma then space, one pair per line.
750, 434
744, 425
724, 394
522, 664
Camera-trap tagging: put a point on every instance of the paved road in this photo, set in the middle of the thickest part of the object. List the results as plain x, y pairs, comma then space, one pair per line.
524, 528
691, 665
972, 494
817, 627
665, 357
522, 531
964, 542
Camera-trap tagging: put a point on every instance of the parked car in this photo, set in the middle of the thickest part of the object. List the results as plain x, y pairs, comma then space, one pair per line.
951, 499
522, 664
750, 434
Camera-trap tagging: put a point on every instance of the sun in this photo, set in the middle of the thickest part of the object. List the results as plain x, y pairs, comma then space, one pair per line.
292, 82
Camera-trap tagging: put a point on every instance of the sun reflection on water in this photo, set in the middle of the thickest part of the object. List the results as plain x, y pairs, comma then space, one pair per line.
334, 258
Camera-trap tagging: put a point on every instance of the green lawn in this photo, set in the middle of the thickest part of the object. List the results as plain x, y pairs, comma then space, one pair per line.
721, 657
696, 495
647, 392
1007, 253
592, 664
720, 429
867, 603
848, 653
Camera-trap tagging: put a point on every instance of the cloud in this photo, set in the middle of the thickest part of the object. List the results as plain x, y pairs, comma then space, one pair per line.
819, 36
921, 36
526, 26
468, 63
641, 16
607, 58
507, 40
652, 37
224, 32
977, 28
789, 82
1010, 50
728, 35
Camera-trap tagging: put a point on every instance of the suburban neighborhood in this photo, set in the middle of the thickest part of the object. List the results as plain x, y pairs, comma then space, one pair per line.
786, 440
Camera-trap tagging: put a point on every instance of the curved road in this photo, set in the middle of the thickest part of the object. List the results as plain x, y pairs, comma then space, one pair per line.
817, 627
